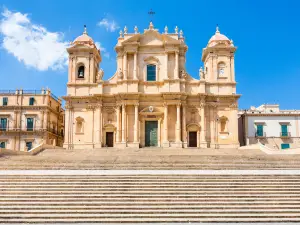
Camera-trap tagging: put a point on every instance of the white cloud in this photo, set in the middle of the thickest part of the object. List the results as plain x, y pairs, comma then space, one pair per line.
32, 44
111, 26
103, 50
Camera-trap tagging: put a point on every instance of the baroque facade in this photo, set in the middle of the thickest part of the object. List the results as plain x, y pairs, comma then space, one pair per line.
29, 118
270, 126
151, 100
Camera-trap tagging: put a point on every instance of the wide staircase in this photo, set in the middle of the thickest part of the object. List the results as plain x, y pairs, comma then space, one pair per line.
149, 198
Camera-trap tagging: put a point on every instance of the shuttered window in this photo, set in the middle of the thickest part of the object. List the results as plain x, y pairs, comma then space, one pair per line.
260, 130
151, 73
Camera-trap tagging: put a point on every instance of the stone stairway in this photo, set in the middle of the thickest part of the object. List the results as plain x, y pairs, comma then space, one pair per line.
149, 198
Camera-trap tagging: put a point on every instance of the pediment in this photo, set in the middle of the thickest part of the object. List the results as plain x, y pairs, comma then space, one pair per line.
151, 37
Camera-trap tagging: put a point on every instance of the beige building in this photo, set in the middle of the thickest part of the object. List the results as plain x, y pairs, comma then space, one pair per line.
30, 118
151, 100
269, 125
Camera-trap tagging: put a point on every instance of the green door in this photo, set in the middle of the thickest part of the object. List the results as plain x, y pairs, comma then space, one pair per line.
151, 133
284, 130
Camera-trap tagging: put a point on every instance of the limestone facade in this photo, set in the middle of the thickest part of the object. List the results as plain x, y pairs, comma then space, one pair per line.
151, 100
29, 118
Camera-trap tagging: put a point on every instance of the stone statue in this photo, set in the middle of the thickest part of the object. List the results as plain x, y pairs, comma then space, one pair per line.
120, 74
183, 74
100, 74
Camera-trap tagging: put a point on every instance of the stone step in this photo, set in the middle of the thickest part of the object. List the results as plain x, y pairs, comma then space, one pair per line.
122, 215
174, 189
145, 206
151, 211
151, 195
154, 220
154, 191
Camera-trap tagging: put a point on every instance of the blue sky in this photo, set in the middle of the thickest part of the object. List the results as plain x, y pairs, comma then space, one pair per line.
265, 32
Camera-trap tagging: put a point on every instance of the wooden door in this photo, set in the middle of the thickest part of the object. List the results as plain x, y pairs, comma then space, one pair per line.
110, 139
151, 133
193, 139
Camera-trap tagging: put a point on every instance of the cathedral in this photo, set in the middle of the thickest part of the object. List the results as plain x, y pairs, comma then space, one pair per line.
151, 100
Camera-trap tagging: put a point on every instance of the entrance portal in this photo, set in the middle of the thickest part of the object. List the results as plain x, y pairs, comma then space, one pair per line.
151, 133
110, 139
192, 139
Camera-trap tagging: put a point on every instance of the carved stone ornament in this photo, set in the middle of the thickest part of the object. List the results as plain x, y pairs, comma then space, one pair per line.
183, 74
150, 108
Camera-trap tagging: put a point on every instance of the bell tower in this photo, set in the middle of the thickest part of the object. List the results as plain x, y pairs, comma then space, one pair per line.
84, 60
218, 59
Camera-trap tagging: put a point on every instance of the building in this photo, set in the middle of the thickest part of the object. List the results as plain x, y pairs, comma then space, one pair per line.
151, 100
29, 118
269, 125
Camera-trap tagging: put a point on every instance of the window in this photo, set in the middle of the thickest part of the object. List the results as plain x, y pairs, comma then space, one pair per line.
221, 69
260, 130
29, 124
3, 124
4, 101
2, 144
31, 101
284, 130
285, 146
151, 72
29, 145
80, 72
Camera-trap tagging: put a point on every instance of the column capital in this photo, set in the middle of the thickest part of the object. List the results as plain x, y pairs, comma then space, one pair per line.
178, 104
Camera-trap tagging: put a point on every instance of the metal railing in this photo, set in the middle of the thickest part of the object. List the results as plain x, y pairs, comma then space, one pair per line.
285, 134
260, 134
29, 129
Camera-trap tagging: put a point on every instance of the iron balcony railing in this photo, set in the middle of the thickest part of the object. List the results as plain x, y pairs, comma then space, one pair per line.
29, 129
260, 134
285, 134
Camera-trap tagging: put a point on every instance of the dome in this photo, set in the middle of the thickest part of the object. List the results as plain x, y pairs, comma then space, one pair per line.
84, 38
218, 37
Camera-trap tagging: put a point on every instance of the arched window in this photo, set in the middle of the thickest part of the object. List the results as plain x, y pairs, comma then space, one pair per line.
221, 69
80, 72
151, 72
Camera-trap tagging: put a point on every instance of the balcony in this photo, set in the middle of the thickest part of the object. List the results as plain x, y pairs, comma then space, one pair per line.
285, 134
28, 130
260, 134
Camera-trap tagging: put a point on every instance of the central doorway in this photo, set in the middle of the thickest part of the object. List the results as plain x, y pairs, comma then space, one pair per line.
192, 139
110, 139
151, 133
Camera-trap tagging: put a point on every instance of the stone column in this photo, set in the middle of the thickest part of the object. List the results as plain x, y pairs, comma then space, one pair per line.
166, 70
178, 122
159, 133
98, 126
125, 65
176, 66
184, 134
118, 139
67, 129
166, 141
212, 127
45, 123
123, 123
202, 126
136, 121
135, 66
